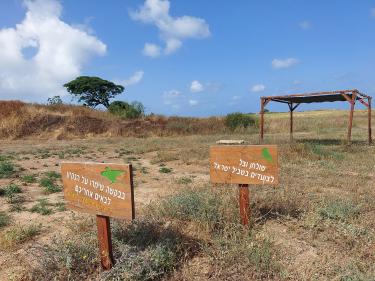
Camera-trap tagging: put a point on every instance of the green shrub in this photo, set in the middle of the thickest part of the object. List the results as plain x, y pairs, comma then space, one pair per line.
239, 120
60, 206
126, 110
148, 250
4, 219
75, 258
53, 175
165, 170
29, 179
210, 210
237, 254
339, 210
19, 234
41, 207
49, 185
7, 169
10, 190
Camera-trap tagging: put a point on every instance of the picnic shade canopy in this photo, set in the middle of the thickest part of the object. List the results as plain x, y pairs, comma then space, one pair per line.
293, 101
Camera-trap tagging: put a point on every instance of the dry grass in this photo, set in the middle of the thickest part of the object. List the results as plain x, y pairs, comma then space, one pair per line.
70, 121
318, 224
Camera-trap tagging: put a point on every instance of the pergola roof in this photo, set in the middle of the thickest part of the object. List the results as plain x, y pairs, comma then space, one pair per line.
318, 97
293, 101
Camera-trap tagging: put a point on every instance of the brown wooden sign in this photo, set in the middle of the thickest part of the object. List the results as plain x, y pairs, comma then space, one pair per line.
100, 189
244, 164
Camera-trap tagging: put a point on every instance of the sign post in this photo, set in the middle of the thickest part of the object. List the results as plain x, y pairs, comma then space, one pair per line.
104, 241
244, 200
244, 165
105, 190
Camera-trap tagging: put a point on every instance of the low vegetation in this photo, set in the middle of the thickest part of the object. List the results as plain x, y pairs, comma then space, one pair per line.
126, 110
48, 183
18, 234
4, 219
42, 207
239, 120
339, 210
29, 179
60, 121
7, 169
316, 225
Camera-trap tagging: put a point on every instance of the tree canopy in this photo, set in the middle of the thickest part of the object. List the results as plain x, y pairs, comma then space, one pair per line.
93, 91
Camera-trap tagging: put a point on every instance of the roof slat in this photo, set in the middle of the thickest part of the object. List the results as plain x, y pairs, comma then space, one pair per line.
317, 97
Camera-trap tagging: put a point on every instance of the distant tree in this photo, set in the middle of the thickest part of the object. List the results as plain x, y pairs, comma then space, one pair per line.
54, 100
93, 91
126, 110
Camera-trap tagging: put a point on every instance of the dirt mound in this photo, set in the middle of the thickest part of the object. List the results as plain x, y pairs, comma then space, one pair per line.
21, 120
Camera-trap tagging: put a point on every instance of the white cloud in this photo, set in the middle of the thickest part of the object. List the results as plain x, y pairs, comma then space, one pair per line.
85, 26
196, 86
132, 80
258, 88
372, 12
170, 97
172, 94
305, 25
284, 63
59, 51
235, 100
151, 50
193, 102
172, 30
172, 45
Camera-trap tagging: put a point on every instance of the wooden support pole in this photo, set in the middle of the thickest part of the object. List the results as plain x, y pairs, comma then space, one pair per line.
244, 203
291, 121
261, 119
105, 242
369, 121
350, 125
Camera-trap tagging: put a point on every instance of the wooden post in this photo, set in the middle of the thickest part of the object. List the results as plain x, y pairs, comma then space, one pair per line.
369, 121
261, 119
291, 121
350, 125
244, 203
105, 242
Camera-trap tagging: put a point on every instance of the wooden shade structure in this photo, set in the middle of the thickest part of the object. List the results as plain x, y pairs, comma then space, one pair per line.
293, 101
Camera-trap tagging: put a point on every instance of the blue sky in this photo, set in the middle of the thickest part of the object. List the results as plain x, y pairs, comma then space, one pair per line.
190, 58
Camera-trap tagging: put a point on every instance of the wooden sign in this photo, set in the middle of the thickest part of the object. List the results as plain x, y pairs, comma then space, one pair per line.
244, 164
99, 188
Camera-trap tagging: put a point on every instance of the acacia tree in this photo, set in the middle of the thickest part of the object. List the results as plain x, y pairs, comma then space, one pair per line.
93, 91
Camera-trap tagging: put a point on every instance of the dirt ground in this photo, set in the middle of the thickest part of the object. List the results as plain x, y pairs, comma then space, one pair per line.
39, 158
314, 174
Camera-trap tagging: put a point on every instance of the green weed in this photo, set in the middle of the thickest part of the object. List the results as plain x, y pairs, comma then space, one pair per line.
4, 219
210, 210
49, 185
29, 179
18, 235
60, 206
53, 175
11, 192
184, 180
42, 207
148, 250
7, 169
339, 210
165, 170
